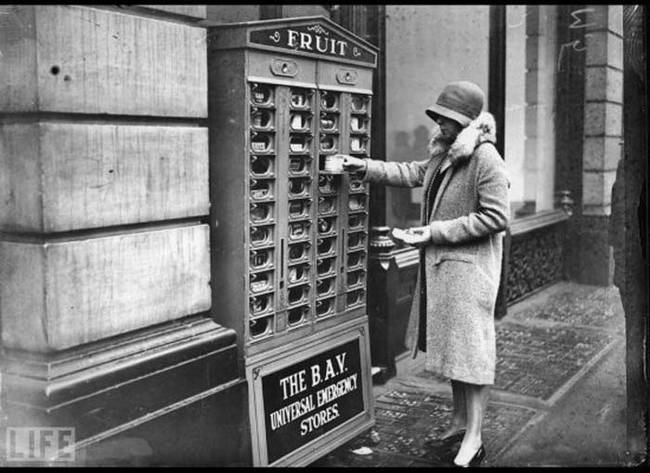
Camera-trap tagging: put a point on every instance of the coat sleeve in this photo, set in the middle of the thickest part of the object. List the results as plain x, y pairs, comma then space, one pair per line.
493, 210
409, 174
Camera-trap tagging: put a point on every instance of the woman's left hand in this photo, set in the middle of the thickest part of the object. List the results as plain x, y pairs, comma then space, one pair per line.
414, 236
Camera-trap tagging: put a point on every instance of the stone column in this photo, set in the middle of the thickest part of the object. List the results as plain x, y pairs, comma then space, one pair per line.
602, 135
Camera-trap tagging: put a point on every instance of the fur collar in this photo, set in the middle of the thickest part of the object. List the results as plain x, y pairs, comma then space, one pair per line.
483, 128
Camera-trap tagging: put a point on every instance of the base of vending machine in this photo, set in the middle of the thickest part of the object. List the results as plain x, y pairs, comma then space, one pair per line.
310, 397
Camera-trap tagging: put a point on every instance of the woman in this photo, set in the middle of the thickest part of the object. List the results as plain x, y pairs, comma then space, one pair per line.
464, 213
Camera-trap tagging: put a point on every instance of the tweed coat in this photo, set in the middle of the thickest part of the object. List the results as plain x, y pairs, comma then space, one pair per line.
462, 262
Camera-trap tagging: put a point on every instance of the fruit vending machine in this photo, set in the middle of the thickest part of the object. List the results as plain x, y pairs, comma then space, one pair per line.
289, 231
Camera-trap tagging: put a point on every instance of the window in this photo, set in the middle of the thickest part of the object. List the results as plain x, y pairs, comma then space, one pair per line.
531, 69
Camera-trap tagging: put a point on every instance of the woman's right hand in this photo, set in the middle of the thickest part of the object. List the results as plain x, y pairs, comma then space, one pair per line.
352, 164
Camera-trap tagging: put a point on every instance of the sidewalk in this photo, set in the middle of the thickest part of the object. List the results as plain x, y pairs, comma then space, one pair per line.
558, 399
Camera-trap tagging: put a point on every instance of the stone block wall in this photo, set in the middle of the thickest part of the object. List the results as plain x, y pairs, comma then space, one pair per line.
602, 145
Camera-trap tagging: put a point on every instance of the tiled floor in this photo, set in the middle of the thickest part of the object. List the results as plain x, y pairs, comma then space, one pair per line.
544, 345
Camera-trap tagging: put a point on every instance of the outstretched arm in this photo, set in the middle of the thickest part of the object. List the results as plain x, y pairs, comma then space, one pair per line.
410, 174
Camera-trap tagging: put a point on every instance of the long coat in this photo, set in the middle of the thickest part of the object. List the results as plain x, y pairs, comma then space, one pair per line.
462, 262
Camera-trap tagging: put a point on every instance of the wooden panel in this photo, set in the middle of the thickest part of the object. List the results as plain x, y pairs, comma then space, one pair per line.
194, 11
98, 61
58, 295
64, 176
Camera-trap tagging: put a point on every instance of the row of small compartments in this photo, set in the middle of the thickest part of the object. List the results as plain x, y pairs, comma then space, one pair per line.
263, 143
262, 167
261, 286
263, 95
261, 120
261, 190
261, 327
262, 235
261, 259
262, 282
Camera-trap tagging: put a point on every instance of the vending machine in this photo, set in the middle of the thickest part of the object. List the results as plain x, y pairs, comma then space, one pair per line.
289, 234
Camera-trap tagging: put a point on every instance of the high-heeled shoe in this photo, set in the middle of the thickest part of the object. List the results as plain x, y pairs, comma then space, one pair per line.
476, 459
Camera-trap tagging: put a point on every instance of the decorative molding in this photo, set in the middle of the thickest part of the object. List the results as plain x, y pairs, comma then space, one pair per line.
380, 240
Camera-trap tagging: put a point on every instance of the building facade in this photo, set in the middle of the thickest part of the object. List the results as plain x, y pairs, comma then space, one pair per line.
106, 312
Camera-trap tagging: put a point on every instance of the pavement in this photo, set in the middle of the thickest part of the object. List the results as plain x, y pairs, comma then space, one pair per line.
558, 399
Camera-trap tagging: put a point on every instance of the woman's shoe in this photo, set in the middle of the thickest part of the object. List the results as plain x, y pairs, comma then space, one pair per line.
476, 459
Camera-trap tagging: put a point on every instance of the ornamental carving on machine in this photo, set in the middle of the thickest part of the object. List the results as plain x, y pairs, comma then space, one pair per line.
535, 261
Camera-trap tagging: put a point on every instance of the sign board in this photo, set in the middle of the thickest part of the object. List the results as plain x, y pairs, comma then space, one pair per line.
310, 397
315, 38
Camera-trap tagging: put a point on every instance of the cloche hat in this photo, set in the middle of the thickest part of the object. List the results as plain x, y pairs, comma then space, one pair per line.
461, 101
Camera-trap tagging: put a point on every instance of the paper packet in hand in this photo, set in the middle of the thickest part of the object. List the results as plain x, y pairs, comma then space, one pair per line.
399, 234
